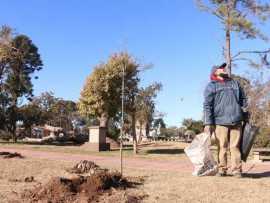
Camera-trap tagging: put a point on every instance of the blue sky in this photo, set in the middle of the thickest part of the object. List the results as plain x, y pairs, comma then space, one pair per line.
73, 36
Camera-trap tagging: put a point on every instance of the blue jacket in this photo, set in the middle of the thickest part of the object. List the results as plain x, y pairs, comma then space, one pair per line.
224, 103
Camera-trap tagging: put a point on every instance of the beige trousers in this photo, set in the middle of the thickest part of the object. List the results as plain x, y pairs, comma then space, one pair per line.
229, 136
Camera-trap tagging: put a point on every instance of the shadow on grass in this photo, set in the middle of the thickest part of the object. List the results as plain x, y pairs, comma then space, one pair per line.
160, 145
9, 142
165, 151
124, 149
265, 174
64, 144
10, 155
54, 143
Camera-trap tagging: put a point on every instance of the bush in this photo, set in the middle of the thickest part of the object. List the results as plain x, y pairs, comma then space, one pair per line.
263, 138
4, 135
113, 133
169, 132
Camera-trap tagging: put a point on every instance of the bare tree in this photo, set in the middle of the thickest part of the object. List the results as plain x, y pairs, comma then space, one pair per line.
258, 92
239, 16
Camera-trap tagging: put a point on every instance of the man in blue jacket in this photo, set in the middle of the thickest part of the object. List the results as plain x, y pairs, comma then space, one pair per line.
224, 104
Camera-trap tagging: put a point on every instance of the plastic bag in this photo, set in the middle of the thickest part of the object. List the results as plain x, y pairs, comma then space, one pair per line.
201, 156
249, 133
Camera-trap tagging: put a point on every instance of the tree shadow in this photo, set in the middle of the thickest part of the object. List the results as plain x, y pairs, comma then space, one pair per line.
10, 155
54, 143
160, 145
265, 174
124, 149
65, 143
165, 151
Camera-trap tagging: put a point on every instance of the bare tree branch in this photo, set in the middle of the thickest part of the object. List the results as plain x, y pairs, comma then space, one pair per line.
250, 52
242, 59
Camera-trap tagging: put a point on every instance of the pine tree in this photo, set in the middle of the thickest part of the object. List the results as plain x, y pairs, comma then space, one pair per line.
239, 16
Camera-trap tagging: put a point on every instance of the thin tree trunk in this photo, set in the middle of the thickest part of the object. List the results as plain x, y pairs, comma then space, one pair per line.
230, 6
13, 118
140, 134
147, 129
30, 131
14, 136
228, 51
133, 130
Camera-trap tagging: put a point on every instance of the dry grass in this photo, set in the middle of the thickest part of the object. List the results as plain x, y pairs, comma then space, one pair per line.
158, 186
168, 187
14, 171
159, 150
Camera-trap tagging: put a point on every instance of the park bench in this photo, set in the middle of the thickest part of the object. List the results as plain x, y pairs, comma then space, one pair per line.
261, 154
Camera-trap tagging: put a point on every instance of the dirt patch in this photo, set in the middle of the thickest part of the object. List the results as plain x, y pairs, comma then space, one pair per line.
134, 199
9, 155
79, 189
29, 179
123, 197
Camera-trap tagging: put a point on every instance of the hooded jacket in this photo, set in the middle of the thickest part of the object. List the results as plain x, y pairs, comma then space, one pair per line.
224, 102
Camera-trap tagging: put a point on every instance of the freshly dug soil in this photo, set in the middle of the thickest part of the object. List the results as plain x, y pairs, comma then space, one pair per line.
85, 167
9, 155
79, 189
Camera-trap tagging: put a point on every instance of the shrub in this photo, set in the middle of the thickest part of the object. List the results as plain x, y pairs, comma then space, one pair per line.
263, 138
4, 135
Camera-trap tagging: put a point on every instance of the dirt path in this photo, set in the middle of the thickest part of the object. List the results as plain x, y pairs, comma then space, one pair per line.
181, 165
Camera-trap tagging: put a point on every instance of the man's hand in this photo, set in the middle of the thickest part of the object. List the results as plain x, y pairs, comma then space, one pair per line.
209, 129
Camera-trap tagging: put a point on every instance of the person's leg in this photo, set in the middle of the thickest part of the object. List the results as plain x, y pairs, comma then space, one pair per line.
222, 137
235, 137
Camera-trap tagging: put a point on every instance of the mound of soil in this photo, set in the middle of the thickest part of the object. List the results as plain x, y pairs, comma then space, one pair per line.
79, 189
9, 155
85, 167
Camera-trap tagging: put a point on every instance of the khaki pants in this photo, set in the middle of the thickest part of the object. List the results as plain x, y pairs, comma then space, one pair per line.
229, 136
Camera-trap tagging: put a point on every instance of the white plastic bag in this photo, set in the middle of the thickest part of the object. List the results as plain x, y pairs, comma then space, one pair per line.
201, 156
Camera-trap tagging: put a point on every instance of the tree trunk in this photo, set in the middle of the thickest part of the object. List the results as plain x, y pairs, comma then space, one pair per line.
13, 120
30, 131
14, 136
140, 134
228, 52
147, 129
230, 5
103, 120
133, 131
